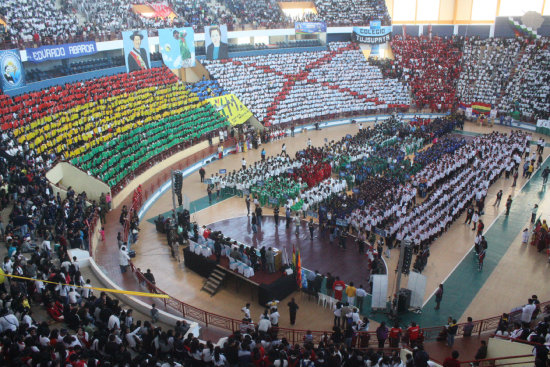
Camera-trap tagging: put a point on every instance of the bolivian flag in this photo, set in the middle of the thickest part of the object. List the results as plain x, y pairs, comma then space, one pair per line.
481, 108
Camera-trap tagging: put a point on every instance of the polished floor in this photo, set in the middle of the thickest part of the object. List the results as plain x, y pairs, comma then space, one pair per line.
317, 253
512, 272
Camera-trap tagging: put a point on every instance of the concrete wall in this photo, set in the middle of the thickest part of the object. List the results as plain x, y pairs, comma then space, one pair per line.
497, 348
447, 10
474, 30
194, 74
139, 305
64, 174
463, 10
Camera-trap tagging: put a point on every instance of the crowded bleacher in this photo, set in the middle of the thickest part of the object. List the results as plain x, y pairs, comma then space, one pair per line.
111, 126
529, 89
285, 88
341, 12
430, 67
394, 181
486, 68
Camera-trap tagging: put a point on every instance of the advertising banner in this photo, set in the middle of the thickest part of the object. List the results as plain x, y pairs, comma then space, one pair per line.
232, 108
543, 126
177, 46
11, 67
372, 35
310, 27
59, 52
136, 50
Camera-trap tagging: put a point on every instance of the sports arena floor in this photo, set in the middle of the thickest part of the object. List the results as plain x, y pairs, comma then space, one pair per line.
512, 272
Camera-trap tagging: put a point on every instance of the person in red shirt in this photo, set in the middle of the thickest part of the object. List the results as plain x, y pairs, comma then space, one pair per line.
452, 361
395, 335
338, 288
414, 334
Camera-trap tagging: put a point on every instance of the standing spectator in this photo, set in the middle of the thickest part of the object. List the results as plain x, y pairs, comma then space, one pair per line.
124, 259
382, 334
467, 329
254, 223
527, 311
534, 213
438, 296
209, 192
351, 292
481, 257
499, 197
395, 335
452, 329
154, 313
202, 173
270, 260
361, 293
287, 217
311, 227
292, 310
545, 173
151, 278
508, 204
247, 201
414, 334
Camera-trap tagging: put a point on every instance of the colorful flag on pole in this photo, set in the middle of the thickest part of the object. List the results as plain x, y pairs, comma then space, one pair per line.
293, 257
480, 107
298, 270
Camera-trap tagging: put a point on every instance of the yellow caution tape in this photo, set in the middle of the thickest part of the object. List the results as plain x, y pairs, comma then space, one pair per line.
130, 293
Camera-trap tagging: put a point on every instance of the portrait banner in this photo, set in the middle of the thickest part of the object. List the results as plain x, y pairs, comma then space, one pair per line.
136, 50
13, 75
177, 47
232, 108
215, 42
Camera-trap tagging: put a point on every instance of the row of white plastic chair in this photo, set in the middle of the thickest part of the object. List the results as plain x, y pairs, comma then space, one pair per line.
325, 300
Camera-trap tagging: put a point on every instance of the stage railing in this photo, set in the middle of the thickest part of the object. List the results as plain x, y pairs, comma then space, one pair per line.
525, 360
360, 340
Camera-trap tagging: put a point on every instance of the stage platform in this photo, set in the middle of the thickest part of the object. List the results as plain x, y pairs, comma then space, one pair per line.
264, 286
317, 254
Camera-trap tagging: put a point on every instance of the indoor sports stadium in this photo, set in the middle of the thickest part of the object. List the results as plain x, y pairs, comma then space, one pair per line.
231, 183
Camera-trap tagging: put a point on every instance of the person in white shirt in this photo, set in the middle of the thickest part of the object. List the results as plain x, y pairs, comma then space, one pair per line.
8, 321
274, 317
87, 289
114, 322
360, 293
246, 310
46, 247
527, 311
73, 296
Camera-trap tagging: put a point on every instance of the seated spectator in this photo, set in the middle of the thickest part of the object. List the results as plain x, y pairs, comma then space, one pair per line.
486, 67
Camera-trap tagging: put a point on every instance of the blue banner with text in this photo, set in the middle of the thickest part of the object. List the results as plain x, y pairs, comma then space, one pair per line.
59, 52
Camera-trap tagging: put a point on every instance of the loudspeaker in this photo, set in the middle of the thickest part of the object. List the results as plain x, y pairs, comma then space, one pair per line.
403, 300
